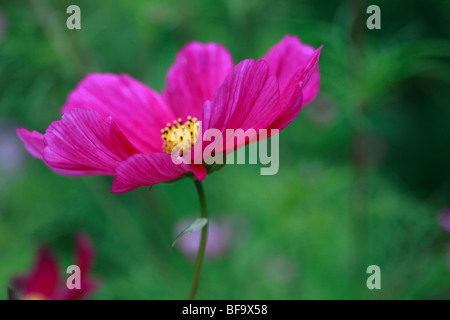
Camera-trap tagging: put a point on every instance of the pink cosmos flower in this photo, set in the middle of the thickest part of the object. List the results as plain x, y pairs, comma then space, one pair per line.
112, 124
44, 281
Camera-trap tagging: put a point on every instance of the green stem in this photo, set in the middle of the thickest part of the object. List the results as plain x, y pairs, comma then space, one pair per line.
202, 246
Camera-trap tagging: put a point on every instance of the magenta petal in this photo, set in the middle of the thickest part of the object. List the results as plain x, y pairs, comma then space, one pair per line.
85, 255
81, 143
292, 97
44, 278
286, 58
122, 146
34, 142
311, 88
198, 71
88, 287
246, 100
138, 110
198, 170
146, 170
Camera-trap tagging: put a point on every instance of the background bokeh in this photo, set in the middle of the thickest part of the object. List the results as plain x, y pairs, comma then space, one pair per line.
364, 170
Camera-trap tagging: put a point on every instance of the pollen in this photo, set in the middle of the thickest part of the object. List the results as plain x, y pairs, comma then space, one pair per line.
34, 296
181, 134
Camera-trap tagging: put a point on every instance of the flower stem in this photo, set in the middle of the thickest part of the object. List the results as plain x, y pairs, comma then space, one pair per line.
202, 246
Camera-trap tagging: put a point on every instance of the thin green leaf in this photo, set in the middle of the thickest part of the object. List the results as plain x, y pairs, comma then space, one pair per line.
197, 224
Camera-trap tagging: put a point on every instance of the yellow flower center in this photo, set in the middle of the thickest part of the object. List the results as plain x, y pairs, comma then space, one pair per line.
183, 135
34, 296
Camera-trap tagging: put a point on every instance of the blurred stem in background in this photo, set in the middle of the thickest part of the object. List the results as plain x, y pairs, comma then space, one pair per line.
360, 141
202, 246
71, 58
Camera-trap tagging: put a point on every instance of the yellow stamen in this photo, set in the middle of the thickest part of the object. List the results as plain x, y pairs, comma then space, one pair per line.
34, 296
183, 134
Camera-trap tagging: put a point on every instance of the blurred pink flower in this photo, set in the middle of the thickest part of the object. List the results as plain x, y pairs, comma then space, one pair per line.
2, 25
112, 124
44, 281
12, 155
444, 219
218, 241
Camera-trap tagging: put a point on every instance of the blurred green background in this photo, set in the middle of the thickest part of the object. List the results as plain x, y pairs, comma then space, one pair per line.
364, 170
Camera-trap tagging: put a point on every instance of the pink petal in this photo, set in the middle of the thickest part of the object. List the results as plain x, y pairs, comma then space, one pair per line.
43, 279
88, 287
311, 88
199, 171
198, 71
246, 100
147, 170
83, 143
85, 254
286, 58
138, 110
34, 142
292, 97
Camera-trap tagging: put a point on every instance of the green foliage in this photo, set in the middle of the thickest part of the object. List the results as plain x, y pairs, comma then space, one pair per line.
308, 232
